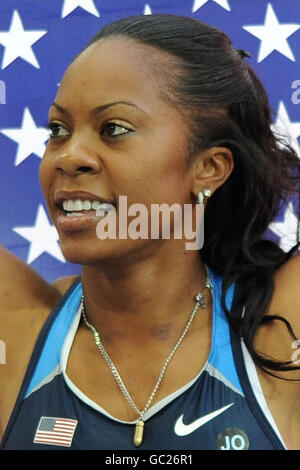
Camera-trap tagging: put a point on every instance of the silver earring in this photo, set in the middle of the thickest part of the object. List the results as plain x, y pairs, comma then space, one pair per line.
205, 194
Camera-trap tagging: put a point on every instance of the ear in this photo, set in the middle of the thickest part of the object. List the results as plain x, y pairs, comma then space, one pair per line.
211, 169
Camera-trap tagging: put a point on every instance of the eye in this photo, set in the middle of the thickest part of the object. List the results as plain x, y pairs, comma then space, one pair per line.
113, 129
57, 130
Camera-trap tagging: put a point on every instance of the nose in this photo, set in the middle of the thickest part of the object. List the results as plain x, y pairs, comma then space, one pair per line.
77, 159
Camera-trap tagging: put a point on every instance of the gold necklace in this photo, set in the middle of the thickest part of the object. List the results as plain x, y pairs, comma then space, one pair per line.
139, 428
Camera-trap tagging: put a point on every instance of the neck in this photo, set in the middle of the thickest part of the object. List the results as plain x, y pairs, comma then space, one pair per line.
146, 294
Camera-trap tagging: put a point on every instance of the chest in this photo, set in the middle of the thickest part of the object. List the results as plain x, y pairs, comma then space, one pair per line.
207, 415
144, 373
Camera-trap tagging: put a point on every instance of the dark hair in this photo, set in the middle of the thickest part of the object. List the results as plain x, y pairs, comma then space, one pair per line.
228, 106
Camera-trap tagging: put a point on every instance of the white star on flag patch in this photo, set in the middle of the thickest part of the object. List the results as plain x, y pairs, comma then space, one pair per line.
55, 431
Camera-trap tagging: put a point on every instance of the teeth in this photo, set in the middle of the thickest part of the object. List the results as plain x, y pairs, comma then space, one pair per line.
75, 214
105, 206
96, 205
77, 205
87, 205
67, 205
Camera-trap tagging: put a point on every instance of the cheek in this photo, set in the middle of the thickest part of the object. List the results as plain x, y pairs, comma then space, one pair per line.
154, 182
165, 175
45, 172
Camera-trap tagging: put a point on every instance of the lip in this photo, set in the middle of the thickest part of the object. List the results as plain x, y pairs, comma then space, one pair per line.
60, 196
83, 222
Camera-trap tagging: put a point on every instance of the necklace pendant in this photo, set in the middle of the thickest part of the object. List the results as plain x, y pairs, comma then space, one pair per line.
139, 433
200, 299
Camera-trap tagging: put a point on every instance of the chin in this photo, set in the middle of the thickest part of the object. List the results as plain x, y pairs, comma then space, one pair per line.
92, 253
86, 255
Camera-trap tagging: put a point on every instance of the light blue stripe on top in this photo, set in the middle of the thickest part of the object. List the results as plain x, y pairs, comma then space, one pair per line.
50, 356
221, 356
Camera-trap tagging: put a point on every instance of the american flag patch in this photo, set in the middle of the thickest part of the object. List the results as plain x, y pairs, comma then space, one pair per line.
55, 431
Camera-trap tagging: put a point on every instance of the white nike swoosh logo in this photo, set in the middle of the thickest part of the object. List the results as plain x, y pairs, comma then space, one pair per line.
182, 429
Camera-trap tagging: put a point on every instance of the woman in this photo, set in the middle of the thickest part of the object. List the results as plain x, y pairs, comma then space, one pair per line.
146, 350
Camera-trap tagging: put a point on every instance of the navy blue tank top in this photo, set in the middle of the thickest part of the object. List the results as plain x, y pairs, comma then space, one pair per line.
218, 409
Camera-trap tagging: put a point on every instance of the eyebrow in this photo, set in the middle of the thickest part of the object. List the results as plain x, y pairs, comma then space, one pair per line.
100, 109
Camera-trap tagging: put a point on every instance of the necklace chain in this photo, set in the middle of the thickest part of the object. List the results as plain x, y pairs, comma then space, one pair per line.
200, 301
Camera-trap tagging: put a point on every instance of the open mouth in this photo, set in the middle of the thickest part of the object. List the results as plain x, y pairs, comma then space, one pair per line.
75, 213
80, 208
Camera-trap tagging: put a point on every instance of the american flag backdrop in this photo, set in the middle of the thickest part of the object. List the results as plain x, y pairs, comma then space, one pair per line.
38, 39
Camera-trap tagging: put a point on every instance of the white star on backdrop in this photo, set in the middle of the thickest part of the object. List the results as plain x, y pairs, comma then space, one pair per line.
284, 127
18, 42
286, 230
71, 5
42, 236
199, 3
30, 138
273, 35
147, 10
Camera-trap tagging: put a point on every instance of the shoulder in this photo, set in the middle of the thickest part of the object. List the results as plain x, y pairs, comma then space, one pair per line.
21, 286
26, 300
291, 269
286, 302
287, 283
62, 284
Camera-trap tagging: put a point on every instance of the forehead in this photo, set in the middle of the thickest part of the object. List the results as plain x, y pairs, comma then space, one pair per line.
114, 68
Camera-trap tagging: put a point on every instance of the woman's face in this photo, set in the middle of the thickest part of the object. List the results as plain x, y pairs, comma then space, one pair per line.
112, 135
